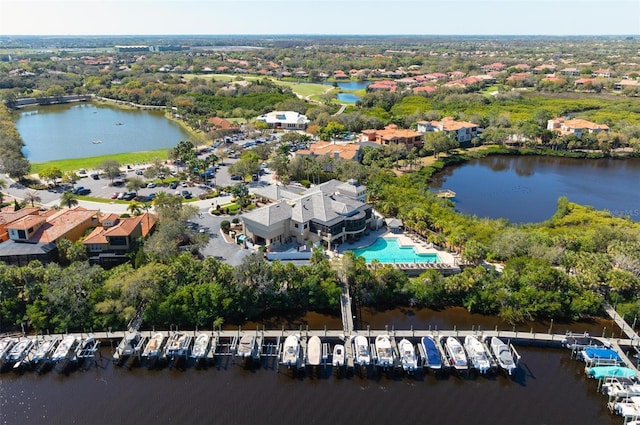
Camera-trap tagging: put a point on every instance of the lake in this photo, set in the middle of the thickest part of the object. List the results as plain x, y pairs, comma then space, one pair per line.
548, 388
527, 188
69, 131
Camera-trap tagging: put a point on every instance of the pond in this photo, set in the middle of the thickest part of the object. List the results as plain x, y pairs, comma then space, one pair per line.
347, 97
527, 188
77, 131
349, 85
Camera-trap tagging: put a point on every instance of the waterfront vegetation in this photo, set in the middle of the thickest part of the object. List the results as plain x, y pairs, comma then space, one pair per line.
564, 268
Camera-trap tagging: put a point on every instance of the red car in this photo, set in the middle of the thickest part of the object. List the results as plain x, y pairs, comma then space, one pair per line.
115, 195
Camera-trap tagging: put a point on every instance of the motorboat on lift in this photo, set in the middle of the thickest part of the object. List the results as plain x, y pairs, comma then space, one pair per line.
44, 350
19, 351
503, 355
408, 355
433, 358
477, 355
456, 354
154, 346
246, 346
66, 350
314, 351
362, 352
384, 352
6, 344
337, 360
201, 346
291, 351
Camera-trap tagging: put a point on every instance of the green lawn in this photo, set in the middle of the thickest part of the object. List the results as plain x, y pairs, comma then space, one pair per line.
75, 164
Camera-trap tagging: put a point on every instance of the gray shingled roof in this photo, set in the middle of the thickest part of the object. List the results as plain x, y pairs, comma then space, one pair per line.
269, 215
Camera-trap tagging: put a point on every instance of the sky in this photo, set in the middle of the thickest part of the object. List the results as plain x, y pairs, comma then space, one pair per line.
215, 17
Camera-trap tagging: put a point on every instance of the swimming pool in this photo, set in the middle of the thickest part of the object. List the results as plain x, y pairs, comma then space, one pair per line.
387, 250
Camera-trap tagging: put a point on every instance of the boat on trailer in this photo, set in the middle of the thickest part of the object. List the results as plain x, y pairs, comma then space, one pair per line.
337, 360
408, 355
503, 355
456, 354
433, 358
291, 351
314, 351
384, 352
362, 351
477, 355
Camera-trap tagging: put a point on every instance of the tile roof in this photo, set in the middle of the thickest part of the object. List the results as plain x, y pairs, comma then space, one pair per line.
10, 216
344, 150
61, 223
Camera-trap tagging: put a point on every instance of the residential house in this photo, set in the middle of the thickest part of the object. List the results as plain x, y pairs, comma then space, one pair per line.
109, 243
603, 73
497, 66
623, 84
461, 131
577, 127
571, 72
387, 85
544, 69
330, 213
35, 236
391, 134
348, 151
285, 120
8, 216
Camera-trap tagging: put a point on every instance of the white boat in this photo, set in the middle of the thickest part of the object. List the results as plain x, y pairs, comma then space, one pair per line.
201, 346
314, 351
503, 355
478, 357
19, 351
66, 349
129, 345
154, 345
178, 344
291, 351
384, 352
433, 359
408, 355
456, 353
338, 356
44, 350
363, 354
246, 346
5, 347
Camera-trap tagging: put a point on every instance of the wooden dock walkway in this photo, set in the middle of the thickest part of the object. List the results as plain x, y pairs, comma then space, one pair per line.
346, 311
622, 324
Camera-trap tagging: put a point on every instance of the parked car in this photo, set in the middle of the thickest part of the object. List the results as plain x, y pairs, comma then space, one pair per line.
236, 177
151, 185
186, 194
173, 185
139, 172
84, 191
115, 195
77, 189
183, 184
129, 196
95, 176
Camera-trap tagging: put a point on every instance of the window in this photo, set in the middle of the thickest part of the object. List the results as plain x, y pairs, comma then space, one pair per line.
22, 234
296, 225
118, 240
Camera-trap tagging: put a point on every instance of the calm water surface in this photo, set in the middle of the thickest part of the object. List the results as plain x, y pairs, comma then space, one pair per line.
549, 388
67, 131
350, 85
527, 188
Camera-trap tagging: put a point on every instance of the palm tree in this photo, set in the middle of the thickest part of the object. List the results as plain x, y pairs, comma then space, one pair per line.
135, 208
32, 197
68, 199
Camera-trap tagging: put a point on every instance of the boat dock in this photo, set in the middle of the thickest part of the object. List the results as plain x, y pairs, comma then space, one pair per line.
446, 193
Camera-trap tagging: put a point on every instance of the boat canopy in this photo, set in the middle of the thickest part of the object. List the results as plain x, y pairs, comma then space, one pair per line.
600, 372
601, 353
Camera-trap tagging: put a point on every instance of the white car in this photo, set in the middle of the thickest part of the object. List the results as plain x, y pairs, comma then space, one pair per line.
151, 185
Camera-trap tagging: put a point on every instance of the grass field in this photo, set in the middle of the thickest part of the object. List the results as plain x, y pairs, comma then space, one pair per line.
88, 163
301, 89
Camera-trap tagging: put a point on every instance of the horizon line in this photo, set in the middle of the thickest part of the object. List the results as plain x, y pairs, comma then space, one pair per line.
320, 35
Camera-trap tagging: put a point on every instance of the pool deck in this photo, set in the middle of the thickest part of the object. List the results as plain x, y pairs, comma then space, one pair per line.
448, 262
